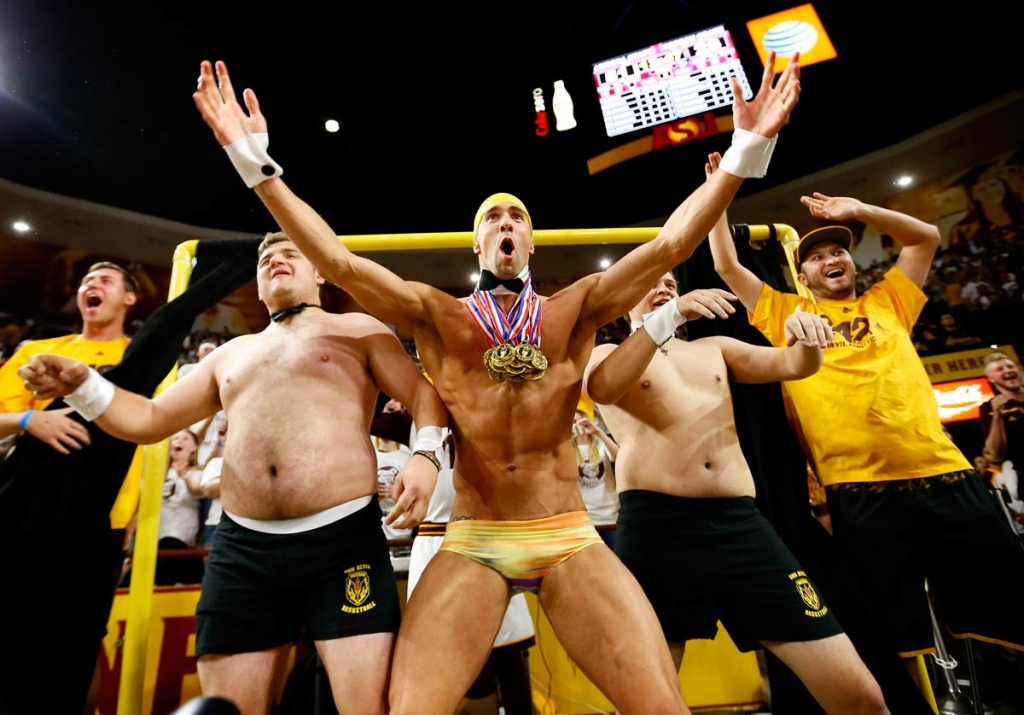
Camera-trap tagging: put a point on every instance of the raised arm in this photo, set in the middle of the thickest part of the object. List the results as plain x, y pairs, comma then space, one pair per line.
806, 336
609, 444
995, 441
243, 134
612, 371
210, 482
757, 124
120, 413
741, 280
920, 240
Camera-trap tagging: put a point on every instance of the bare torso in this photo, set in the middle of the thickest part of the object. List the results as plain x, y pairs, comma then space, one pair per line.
299, 402
676, 430
514, 454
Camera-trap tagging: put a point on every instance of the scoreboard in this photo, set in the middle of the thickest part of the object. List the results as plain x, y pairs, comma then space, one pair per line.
669, 81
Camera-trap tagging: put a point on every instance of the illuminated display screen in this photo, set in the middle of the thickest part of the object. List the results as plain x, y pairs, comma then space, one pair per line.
668, 81
962, 399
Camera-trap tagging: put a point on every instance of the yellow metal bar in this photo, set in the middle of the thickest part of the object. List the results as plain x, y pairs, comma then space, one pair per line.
154, 469
787, 236
924, 682
789, 239
464, 239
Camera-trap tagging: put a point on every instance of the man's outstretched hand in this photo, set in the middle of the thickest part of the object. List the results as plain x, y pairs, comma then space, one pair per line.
810, 329
52, 376
215, 100
833, 208
706, 303
770, 108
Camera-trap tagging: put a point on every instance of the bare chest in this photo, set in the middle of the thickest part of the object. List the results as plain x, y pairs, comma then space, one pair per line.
275, 361
682, 379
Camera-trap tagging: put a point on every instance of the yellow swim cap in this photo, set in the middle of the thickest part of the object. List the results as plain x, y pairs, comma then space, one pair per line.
495, 199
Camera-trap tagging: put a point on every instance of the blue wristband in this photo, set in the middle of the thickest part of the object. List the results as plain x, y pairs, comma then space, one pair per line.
24, 420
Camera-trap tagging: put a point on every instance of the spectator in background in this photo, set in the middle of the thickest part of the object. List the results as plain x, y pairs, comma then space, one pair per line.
11, 336
953, 337
595, 457
1006, 482
926, 336
1002, 417
978, 290
208, 433
210, 486
1011, 171
391, 431
1007, 281
986, 471
205, 348
206, 430
221, 320
179, 513
105, 296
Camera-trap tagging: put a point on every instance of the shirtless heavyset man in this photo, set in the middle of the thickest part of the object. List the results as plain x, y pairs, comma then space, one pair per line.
518, 521
299, 542
685, 488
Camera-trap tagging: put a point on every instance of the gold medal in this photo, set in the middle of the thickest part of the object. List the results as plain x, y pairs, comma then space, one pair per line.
515, 362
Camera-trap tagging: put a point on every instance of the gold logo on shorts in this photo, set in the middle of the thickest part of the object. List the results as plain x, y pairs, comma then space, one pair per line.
357, 589
808, 595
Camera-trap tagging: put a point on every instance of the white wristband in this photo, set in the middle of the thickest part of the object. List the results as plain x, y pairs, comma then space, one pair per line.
662, 323
250, 158
749, 154
428, 439
92, 397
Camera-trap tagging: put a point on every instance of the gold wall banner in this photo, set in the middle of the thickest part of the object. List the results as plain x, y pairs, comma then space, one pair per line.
962, 365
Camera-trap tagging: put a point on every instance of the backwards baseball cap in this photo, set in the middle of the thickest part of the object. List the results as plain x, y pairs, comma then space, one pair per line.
492, 201
834, 234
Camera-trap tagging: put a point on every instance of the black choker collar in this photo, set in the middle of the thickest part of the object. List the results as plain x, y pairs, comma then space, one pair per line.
282, 314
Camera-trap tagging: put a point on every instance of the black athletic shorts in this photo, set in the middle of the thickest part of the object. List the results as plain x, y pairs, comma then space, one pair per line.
260, 590
944, 528
704, 560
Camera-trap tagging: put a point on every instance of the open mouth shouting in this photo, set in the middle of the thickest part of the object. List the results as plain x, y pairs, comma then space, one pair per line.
507, 246
92, 302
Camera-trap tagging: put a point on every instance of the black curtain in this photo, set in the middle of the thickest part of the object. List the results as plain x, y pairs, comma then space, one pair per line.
54, 511
780, 475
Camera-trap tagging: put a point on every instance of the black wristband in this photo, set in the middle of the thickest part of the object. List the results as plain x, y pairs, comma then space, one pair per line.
431, 456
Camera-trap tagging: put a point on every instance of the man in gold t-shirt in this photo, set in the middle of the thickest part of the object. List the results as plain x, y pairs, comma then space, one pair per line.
105, 295
904, 502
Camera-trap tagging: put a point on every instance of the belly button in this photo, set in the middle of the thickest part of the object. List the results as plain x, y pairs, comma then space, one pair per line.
511, 468
707, 465
324, 358
718, 378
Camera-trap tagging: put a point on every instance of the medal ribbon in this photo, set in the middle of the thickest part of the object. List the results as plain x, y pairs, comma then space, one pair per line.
523, 323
